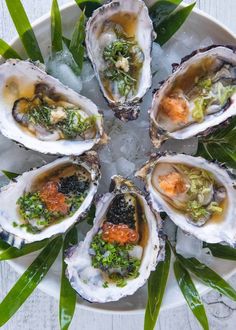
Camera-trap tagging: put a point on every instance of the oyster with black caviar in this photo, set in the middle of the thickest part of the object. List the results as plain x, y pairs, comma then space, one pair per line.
198, 196
119, 252
40, 113
198, 96
119, 40
49, 200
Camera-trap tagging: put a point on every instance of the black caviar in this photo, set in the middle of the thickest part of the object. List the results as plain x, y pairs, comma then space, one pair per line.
72, 185
121, 212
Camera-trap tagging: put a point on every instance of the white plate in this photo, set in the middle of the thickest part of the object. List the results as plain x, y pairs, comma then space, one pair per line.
206, 27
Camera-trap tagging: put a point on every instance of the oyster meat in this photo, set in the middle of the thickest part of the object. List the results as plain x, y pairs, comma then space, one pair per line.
119, 40
198, 196
40, 113
200, 95
121, 249
49, 200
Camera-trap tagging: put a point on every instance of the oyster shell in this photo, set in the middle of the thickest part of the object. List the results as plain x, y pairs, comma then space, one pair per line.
198, 196
123, 218
40, 113
119, 40
49, 200
198, 96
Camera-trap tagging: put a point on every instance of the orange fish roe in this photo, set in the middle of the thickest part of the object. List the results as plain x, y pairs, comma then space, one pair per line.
55, 201
172, 184
120, 234
176, 109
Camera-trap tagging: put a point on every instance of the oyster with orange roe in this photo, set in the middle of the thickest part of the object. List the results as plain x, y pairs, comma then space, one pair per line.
49, 200
119, 252
199, 196
198, 96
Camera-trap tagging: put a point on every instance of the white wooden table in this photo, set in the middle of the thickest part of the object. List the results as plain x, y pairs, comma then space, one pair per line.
41, 311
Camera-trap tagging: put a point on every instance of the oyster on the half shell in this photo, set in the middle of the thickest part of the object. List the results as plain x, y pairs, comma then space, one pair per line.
49, 200
119, 40
199, 196
119, 252
41, 114
199, 95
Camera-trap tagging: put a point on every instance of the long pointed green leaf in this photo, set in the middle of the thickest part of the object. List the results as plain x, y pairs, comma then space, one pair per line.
221, 251
56, 27
169, 26
68, 294
88, 6
220, 145
66, 41
161, 9
208, 276
24, 29
29, 280
10, 175
190, 294
91, 215
156, 289
7, 51
8, 252
76, 47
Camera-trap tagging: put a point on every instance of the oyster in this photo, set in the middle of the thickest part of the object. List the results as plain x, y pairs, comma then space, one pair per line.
40, 113
121, 249
199, 95
198, 196
119, 40
49, 200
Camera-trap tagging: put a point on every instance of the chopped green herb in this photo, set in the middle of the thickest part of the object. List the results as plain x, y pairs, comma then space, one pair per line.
210, 94
196, 210
69, 121
123, 58
107, 256
75, 125
201, 184
32, 207
75, 203
105, 284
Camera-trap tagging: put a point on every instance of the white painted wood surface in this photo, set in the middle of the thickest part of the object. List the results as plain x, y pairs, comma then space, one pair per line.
41, 311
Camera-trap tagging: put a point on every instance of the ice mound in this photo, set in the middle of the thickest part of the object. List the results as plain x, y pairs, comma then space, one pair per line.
63, 67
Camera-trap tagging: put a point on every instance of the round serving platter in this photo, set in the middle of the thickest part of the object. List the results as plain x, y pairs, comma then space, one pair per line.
199, 31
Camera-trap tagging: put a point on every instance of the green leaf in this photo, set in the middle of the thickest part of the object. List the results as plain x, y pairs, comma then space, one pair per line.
7, 51
208, 276
29, 280
221, 251
56, 28
66, 41
76, 47
24, 29
68, 294
220, 145
91, 215
156, 289
8, 252
171, 24
161, 9
10, 175
190, 294
88, 6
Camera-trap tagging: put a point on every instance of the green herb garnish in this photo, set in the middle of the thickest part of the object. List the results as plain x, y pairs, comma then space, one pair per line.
108, 256
122, 58
32, 207
70, 123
